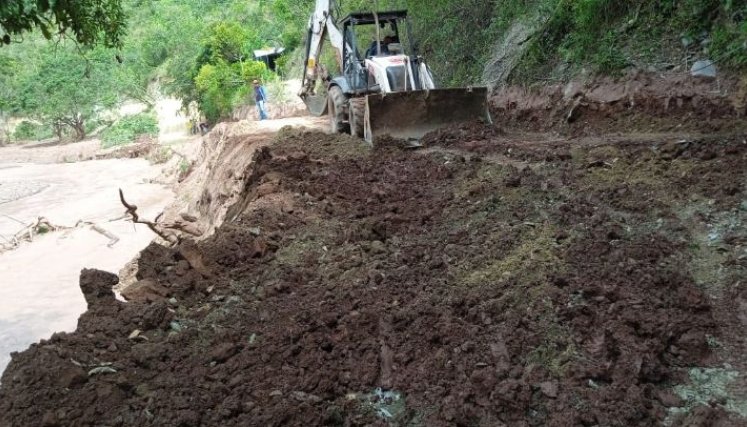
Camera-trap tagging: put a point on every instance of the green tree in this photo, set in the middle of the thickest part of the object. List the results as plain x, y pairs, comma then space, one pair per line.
64, 90
225, 70
6, 93
89, 21
167, 44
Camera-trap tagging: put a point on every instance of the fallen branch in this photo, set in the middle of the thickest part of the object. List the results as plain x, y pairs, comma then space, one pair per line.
42, 225
112, 238
132, 210
123, 216
39, 226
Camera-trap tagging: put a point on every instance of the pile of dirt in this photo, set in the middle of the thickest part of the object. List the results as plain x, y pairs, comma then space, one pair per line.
640, 102
488, 280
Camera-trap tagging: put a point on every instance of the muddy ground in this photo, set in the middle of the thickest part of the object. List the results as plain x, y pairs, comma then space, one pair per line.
494, 277
490, 279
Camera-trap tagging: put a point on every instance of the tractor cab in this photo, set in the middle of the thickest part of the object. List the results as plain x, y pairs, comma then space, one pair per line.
378, 55
366, 39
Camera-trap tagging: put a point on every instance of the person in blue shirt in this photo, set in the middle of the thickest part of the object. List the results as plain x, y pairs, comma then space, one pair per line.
260, 96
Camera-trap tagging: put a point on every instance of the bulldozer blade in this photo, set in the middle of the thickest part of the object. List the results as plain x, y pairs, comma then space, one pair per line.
410, 115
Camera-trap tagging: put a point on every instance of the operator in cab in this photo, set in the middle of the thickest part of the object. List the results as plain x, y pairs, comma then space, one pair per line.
373, 50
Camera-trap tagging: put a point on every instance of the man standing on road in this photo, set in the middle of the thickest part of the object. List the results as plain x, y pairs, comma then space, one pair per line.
261, 97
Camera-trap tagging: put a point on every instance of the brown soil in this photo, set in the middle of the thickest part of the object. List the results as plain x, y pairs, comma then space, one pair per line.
497, 277
641, 102
489, 280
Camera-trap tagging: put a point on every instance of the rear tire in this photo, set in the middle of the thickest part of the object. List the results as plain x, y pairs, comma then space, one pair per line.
357, 108
337, 107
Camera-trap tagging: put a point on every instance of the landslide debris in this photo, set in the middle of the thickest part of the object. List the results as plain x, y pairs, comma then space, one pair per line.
488, 280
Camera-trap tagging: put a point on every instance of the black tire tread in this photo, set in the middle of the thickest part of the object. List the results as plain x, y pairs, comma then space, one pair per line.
357, 112
337, 110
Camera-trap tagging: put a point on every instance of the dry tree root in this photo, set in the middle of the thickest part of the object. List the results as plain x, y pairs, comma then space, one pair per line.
40, 226
154, 227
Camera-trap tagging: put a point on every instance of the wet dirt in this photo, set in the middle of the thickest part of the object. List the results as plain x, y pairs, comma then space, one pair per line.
637, 102
216, 178
492, 279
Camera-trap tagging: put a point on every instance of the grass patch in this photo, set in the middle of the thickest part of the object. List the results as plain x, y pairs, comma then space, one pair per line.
532, 260
555, 353
160, 155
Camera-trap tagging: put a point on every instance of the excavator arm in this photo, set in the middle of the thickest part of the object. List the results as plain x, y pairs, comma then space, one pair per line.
322, 25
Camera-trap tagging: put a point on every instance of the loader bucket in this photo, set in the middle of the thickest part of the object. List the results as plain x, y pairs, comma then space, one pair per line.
410, 115
316, 104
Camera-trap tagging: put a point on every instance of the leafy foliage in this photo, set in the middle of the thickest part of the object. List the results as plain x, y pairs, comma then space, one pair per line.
201, 50
605, 32
225, 72
607, 35
218, 53
64, 90
458, 37
129, 129
29, 131
89, 21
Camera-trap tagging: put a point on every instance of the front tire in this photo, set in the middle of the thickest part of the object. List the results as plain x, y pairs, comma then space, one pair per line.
337, 106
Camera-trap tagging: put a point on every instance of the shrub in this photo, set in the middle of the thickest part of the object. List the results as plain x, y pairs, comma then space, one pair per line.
29, 131
128, 129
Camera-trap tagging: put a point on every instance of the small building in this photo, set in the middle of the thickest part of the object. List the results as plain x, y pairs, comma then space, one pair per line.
268, 56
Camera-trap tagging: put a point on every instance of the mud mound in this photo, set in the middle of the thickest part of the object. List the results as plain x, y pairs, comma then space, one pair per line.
487, 281
640, 102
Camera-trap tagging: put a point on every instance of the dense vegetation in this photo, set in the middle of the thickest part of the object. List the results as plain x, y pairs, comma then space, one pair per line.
460, 37
201, 50
195, 50
608, 36
86, 21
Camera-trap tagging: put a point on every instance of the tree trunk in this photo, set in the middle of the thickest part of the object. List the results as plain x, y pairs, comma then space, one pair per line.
80, 130
57, 128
